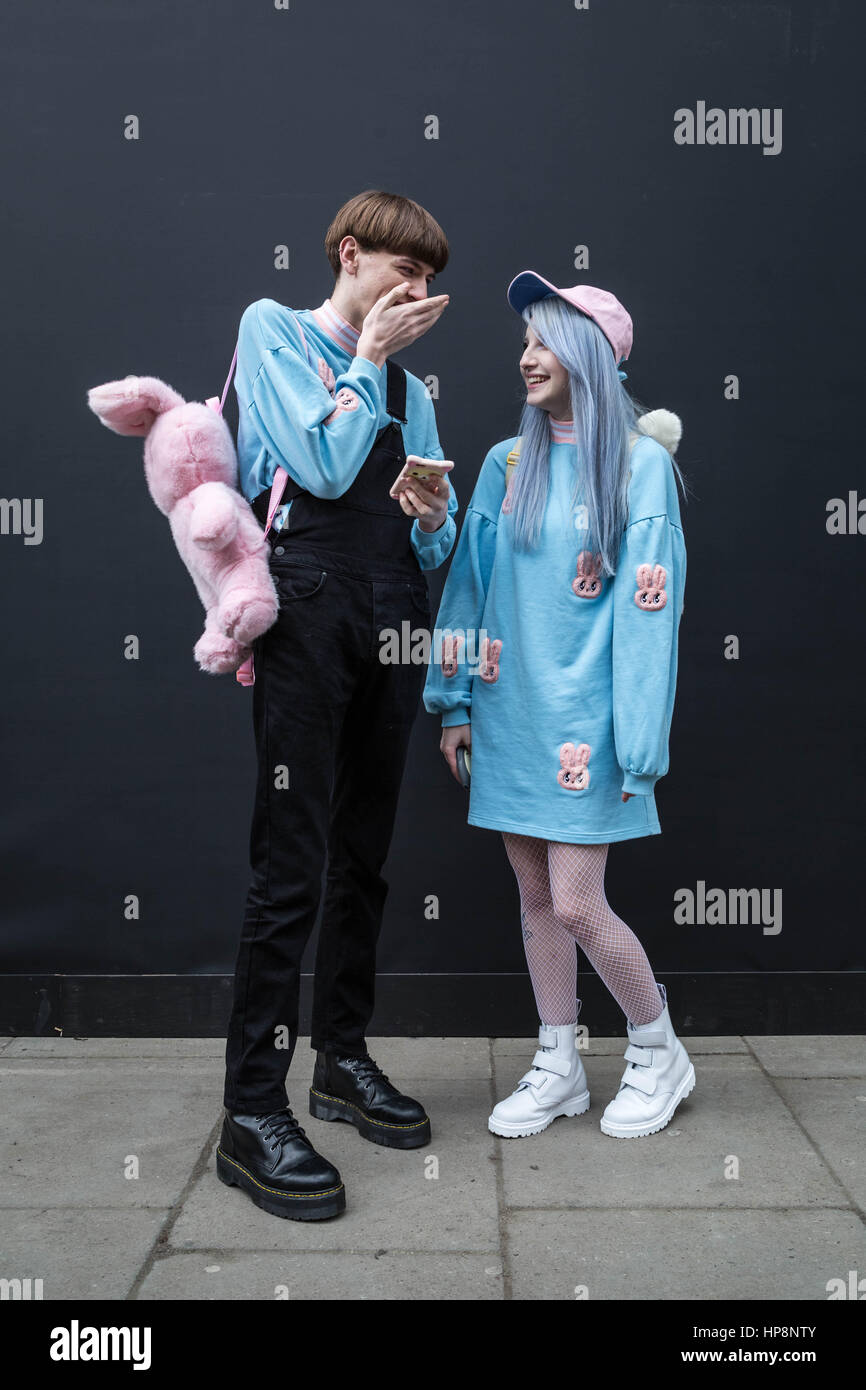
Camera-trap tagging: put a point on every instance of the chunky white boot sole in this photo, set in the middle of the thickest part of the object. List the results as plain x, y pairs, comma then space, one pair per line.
577, 1105
637, 1130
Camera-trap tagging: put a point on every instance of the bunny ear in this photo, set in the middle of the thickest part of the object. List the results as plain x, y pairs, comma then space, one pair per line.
644, 576
130, 406
582, 754
496, 648
582, 564
659, 577
596, 564
566, 755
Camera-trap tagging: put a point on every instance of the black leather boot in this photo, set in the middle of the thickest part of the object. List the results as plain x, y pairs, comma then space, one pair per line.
271, 1158
355, 1089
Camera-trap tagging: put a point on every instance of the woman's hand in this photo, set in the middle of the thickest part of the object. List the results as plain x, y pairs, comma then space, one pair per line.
457, 736
428, 501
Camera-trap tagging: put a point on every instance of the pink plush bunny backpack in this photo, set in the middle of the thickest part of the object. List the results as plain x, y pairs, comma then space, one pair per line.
191, 468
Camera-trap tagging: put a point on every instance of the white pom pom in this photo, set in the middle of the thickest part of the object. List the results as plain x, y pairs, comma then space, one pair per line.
664, 426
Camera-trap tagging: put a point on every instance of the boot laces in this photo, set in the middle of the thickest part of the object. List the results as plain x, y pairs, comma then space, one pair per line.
281, 1125
366, 1069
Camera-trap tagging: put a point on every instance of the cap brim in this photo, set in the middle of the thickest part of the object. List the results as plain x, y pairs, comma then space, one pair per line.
526, 287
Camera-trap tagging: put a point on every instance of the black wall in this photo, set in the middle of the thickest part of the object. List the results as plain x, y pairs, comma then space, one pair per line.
556, 129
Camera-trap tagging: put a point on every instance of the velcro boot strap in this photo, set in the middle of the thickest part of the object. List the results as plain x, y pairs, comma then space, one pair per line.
641, 1079
549, 1061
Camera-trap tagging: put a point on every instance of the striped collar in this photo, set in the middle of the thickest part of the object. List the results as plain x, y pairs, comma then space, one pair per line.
336, 327
561, 431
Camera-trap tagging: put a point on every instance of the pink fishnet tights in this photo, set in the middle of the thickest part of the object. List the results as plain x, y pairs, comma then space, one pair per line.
562, 903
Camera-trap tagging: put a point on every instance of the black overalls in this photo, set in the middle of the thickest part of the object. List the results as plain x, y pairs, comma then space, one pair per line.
332, 725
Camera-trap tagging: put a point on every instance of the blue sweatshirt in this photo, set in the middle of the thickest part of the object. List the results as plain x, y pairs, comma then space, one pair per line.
320, 420
575, 705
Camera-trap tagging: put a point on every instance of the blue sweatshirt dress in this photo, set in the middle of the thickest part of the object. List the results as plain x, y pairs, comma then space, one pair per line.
574, 707
318, 416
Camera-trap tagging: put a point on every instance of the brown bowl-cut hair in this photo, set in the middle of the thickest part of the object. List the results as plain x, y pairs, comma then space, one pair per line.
387, 222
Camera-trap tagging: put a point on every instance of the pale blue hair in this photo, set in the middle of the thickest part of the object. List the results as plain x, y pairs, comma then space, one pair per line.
603, 413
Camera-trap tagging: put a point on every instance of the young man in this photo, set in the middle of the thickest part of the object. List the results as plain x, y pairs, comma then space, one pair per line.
319, 394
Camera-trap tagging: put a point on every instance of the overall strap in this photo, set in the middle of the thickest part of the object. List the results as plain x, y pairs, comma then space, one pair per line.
396, 398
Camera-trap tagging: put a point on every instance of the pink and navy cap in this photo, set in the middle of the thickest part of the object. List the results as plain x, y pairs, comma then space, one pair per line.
599, 305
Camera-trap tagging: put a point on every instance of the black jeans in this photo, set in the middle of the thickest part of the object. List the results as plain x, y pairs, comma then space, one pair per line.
332, 725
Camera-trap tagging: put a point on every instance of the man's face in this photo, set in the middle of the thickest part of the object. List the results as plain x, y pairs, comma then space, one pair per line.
379, 271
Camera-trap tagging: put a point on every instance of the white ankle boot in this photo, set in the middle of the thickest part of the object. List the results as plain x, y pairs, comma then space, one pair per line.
657, 1078
554, 1085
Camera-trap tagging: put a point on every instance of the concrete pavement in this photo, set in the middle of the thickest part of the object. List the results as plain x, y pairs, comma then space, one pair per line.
756, 1190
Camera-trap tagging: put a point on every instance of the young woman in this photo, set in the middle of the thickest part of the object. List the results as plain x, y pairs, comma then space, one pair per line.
558, 634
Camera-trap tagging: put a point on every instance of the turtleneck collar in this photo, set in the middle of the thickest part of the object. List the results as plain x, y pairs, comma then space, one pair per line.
561, 431
339, 329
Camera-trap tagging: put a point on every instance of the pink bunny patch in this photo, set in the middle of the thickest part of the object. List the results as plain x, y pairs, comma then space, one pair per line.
489, 668
327, 375
346, 400
451, 647
651, 580
574, 773
588, 582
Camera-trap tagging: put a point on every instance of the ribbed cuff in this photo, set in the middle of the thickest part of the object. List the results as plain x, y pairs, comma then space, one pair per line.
638, 786
430, 537
460, 715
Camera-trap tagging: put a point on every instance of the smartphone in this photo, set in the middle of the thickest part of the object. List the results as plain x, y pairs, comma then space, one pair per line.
416, 467
464, 760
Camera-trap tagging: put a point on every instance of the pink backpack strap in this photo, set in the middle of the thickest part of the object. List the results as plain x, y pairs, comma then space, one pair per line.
245, 674
228, 379
218, 402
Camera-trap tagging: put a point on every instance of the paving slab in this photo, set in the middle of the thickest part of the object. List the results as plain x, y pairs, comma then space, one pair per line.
693, 1255
78, 1253
412, 1276
418, 1057
390, 1200
421, 1058
70, 1130
834, 1116
811, 1056
131, 1049
733, 1112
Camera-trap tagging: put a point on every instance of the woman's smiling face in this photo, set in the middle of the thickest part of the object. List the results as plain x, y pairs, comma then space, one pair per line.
545, 377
